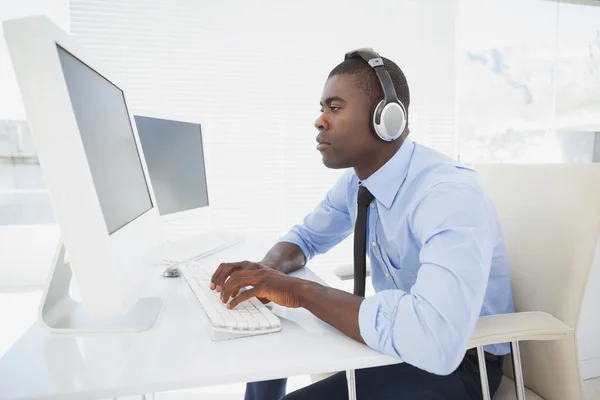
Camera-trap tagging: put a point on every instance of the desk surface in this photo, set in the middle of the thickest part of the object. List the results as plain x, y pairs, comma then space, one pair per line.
178, 352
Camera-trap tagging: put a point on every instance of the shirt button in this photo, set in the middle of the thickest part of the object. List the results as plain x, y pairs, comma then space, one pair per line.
372, 205
387, 274
374, 244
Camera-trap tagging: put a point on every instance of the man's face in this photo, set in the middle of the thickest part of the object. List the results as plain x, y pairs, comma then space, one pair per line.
345, 134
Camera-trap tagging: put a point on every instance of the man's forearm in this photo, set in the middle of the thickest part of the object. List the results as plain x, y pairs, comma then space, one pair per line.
336, 307
285, 257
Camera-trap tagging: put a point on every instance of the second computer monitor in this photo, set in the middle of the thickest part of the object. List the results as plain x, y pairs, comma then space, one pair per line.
174, 154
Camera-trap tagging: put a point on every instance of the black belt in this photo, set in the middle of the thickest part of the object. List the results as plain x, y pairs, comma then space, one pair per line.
488, 356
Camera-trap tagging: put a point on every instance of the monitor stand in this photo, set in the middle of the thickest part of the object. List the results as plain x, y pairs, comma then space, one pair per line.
60, 313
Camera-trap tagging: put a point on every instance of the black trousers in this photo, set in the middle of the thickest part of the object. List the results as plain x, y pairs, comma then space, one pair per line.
399, 381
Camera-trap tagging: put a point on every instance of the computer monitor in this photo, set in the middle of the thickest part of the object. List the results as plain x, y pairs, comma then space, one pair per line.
94, 169
174, 154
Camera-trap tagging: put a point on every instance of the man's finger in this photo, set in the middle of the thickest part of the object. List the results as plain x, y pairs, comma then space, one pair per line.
218, 272
237, 281
225, 271
243, 296
213, 279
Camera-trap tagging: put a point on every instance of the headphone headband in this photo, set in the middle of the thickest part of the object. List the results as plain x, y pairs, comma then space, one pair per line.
376, 62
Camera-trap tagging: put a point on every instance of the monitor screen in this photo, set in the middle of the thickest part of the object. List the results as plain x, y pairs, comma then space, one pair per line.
175, 159
109, 143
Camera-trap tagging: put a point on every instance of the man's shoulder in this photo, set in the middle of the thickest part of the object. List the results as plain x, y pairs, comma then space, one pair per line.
429, 162
433, 170
429, 155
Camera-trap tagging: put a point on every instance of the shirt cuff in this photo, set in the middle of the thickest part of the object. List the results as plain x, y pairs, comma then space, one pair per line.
293, 238
367, 321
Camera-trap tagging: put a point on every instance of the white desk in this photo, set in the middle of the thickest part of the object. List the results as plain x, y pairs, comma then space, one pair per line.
178, 352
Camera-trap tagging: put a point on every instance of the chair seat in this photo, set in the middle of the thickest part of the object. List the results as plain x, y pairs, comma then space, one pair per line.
506, 391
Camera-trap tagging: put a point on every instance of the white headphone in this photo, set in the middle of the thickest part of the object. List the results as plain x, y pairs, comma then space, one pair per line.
389, 116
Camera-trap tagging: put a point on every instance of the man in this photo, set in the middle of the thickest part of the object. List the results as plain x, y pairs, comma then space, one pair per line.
437, 254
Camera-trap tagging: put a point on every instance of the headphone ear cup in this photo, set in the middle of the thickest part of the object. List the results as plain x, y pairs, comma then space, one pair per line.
391, 123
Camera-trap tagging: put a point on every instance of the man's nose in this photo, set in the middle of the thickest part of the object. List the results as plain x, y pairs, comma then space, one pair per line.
321, 124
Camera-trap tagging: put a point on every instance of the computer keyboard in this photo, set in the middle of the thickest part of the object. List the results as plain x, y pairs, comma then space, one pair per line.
200, 245
248, 318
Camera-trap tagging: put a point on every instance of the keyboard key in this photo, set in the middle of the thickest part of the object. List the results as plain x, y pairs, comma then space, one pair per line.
242, 324
253, 324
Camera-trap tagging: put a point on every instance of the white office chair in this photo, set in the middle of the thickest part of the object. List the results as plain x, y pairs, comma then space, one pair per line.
550, 215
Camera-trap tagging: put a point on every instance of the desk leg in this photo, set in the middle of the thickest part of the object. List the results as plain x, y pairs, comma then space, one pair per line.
351, 384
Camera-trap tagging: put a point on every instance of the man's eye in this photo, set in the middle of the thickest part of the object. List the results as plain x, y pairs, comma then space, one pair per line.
334, 109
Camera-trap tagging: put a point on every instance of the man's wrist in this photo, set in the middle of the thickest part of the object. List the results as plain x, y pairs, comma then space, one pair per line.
302, 291
270, 264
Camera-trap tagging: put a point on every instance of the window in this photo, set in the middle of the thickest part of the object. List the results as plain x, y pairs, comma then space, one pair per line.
528, 80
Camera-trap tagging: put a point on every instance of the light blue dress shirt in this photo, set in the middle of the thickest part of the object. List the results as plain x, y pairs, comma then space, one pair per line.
437, 253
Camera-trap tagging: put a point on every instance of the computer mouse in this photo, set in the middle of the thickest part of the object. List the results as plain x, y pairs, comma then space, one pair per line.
171, 272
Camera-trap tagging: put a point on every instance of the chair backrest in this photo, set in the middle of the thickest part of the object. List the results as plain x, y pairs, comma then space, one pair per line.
550, 217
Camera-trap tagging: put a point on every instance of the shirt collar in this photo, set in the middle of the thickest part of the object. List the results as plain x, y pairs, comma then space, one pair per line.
387, 180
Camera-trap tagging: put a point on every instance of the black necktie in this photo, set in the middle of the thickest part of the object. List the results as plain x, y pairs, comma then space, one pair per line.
360, 241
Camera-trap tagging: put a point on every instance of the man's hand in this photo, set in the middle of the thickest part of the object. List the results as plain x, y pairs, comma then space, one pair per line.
226, 269
266, 284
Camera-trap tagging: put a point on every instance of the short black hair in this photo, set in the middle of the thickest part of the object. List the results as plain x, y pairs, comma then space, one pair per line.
367, 79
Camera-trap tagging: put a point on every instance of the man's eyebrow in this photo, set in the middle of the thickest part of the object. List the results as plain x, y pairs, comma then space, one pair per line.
331, 99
